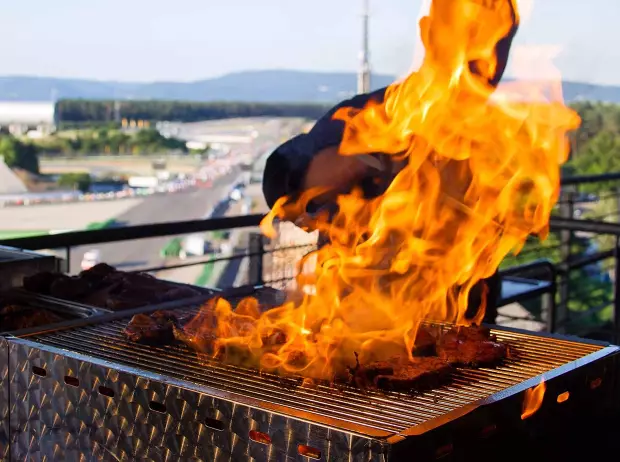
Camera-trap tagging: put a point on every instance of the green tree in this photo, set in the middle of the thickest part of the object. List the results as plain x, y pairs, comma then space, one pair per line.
73, 113
17, 154
81, 181
150, 141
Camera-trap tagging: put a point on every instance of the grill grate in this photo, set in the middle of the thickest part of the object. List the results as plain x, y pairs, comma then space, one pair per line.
376, 412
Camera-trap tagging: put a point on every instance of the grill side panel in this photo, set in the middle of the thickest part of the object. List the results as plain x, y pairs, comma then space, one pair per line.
4, 399
53, 419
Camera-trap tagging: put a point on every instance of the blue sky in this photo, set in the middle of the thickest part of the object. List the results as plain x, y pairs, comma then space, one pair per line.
191, 39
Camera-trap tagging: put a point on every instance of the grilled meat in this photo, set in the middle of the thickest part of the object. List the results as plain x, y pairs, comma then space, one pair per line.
70, 288
399, 374
471, 346
17, 317
417, 375
98, 272
198, 339
425, 343
153, 329
41, 283
200, 332
105, 287
176, 293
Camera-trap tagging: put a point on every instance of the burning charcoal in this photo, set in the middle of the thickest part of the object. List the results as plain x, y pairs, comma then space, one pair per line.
471, 346
154, 329
41, 283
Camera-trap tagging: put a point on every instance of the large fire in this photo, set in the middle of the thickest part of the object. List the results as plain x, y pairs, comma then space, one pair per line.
482, 174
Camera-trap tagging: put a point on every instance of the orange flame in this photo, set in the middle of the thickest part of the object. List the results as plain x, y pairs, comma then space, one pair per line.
482, 174
533, 399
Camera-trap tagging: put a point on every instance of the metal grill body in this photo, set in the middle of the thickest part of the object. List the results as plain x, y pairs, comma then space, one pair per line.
169, 403
4, 399
53, 421
67, 311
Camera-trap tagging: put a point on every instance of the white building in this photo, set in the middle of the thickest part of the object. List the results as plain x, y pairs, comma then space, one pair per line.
21, 117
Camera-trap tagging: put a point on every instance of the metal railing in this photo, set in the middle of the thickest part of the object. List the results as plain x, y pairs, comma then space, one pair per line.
572, 276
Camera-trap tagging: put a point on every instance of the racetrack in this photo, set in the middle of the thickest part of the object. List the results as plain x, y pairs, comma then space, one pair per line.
70, 216
144, 253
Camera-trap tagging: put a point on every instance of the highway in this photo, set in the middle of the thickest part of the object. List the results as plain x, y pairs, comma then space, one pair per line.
144, 253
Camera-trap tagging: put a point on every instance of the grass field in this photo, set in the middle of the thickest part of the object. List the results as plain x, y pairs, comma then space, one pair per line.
205, 276
101, 224
13, 234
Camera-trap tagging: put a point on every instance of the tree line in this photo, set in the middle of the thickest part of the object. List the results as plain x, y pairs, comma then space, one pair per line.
24, 153
76, 111
105, 140
596, 144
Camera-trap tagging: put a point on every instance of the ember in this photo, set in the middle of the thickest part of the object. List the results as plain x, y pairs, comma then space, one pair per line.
482, 174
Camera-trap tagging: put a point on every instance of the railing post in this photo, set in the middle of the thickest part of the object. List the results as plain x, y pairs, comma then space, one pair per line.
616, 319
567, 210
549, 305
257, 253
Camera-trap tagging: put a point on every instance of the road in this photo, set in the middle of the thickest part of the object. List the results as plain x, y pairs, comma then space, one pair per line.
266, 133
144, 253
229, 274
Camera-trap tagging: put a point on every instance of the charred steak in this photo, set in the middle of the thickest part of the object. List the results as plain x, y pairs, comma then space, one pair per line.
16, 317
399, 374
106, 287
152, 329
425, 343
41, 283
471, 346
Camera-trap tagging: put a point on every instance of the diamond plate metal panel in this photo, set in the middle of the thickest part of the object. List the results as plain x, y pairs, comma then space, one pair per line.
54, 418
4, 399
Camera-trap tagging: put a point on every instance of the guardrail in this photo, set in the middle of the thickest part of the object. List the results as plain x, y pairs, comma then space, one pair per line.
581, 295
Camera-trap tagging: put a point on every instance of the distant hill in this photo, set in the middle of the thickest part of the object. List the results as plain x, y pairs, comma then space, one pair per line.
273, 86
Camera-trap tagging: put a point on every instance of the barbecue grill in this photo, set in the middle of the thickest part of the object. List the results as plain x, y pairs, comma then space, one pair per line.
66, 311
17, 263
85, 393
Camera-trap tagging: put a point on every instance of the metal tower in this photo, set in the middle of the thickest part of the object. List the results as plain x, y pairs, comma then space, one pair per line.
363, 76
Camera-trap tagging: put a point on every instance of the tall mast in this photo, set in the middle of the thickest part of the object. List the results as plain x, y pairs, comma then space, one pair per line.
363, 76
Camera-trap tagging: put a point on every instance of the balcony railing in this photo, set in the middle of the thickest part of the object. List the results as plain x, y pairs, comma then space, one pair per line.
566, 284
